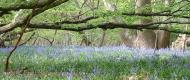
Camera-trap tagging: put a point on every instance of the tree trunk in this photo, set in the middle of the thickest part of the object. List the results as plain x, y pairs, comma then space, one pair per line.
85, 40
102, 39
163, 39
145, 38
2, 44
128, 36
164, 36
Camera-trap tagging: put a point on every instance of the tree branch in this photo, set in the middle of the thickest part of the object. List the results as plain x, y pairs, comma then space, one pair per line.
26, 5
3, 13
111, 25
27, 39
19, 22
77, 21
154, 14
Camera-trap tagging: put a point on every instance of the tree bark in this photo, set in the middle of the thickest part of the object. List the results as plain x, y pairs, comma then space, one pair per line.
141, 39
84, 40
145, 38
164, 36
163, 39
2, 44
128, 37
103, 38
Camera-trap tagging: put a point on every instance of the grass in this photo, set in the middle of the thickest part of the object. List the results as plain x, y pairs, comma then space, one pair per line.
85, 63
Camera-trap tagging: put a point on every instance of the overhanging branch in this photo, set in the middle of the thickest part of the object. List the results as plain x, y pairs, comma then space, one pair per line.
15, 23
111, 25
155, 14
77, 21
26, 5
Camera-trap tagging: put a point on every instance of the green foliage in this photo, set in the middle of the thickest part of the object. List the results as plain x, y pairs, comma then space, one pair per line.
44, 67
159, 68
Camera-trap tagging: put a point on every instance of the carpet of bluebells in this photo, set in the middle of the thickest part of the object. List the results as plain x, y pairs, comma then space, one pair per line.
96, 63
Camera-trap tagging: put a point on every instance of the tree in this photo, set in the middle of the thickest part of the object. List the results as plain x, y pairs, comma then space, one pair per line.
163, 37
144, 38
23, 13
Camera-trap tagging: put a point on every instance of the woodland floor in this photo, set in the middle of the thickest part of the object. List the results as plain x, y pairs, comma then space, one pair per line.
93, 63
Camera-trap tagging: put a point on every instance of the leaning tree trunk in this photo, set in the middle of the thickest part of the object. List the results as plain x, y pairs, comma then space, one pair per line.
145, 38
